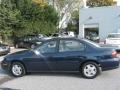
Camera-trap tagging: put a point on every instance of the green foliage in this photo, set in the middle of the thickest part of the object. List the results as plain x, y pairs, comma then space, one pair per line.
8, 21
23, 17
75, 15
98, 3
61, 3
38, 19
73, 25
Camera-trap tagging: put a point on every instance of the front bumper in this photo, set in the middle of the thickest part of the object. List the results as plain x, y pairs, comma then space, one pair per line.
110, 64
5, 65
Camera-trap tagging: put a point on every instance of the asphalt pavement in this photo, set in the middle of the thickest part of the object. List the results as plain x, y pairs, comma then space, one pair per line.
108, 80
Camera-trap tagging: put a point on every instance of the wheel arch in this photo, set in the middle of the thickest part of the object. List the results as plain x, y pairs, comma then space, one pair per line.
19, 62
89, 61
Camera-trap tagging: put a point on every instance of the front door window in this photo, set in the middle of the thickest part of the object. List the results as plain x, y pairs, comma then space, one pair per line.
49, 47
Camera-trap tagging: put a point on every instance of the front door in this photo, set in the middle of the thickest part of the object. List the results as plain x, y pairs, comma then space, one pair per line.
44, 58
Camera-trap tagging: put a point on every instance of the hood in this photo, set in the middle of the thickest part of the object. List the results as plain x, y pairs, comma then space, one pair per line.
20, 54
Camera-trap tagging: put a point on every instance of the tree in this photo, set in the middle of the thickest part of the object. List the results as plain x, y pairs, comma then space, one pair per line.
24, 17
73, 24
36, 18
98, 3
8, 21
66, 8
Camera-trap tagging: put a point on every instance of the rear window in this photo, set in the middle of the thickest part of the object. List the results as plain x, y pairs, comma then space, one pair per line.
114, 36
92, 43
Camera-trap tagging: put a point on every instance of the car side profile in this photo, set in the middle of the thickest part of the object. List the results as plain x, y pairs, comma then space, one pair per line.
63, 55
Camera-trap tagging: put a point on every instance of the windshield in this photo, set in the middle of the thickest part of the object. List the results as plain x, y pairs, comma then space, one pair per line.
114, 36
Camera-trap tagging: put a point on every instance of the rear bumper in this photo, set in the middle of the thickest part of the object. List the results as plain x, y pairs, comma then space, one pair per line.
110, 64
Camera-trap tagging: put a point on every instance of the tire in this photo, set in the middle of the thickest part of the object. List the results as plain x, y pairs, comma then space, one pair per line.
90, 70
17, 69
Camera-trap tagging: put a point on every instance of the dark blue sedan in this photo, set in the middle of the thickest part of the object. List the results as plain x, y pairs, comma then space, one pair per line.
62, 55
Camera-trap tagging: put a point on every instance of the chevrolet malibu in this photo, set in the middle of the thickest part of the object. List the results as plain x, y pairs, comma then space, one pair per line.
62, 55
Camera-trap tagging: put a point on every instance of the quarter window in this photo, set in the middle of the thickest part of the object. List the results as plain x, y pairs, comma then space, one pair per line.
70, 45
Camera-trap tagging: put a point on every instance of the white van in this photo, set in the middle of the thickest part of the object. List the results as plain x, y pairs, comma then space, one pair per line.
113, 39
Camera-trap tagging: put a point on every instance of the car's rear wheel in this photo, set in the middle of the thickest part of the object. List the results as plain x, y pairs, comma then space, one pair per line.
18, 69
90, 70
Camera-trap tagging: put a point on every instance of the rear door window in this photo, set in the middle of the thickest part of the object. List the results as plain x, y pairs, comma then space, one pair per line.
71, 45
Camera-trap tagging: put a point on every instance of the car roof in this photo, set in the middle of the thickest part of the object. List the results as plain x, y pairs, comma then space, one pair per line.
59, 38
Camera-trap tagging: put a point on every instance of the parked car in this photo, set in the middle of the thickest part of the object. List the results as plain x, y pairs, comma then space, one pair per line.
64, 34
62, 55
113, 39
116, 47
28, 42
4, 49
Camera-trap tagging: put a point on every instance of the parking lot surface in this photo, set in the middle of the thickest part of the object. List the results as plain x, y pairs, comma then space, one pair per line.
108, 80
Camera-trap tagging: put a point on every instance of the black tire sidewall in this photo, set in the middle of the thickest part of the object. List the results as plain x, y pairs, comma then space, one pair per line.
23, 69
97, 68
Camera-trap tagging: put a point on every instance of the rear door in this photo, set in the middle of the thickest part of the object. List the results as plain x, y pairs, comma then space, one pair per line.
71, 53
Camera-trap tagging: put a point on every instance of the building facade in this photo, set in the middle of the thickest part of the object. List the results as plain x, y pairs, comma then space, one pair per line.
99, 21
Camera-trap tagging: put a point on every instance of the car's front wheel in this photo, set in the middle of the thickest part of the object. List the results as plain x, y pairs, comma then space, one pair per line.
90, 70
17, 69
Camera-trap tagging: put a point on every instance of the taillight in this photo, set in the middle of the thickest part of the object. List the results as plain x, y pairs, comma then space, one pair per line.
114, 54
